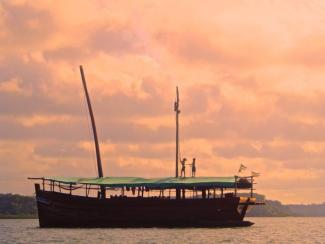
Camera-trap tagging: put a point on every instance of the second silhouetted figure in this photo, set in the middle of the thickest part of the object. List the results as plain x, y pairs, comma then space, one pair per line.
193, 167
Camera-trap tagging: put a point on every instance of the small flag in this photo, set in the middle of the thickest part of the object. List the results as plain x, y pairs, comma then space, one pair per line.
255, 174
242, 168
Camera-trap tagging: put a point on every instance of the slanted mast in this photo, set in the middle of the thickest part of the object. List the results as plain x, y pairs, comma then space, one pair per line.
92, 118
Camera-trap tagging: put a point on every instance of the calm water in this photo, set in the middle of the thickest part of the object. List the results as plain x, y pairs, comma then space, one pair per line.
265, 230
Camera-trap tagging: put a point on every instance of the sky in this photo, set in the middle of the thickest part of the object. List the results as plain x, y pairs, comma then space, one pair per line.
251, 76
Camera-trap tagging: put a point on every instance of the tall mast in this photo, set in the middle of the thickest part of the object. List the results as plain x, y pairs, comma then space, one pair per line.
99, 161
176, 109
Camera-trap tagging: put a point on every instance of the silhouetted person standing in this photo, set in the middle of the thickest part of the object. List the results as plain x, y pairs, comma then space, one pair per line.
193, 167
183, 167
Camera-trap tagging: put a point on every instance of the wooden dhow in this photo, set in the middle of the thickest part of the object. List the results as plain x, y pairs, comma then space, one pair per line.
142, 202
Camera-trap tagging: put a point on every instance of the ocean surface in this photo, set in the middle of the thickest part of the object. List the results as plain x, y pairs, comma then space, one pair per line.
265, 230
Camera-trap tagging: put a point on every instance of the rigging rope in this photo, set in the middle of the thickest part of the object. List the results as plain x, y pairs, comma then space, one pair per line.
90, 136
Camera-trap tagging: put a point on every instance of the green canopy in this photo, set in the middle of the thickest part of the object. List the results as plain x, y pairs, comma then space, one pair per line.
169, 182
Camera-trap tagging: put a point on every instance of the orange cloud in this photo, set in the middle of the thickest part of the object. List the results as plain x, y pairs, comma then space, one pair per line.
250, 76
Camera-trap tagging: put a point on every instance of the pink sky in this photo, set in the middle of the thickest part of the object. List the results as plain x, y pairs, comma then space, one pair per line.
251, 77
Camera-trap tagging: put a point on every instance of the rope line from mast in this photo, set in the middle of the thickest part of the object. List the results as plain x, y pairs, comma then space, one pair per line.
90, 136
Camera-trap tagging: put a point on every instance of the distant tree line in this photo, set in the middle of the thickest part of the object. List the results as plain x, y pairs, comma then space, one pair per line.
270, 209
277, 209
17, 206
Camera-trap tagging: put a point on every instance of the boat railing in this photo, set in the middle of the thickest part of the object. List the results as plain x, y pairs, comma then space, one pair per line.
245, 182
88, 190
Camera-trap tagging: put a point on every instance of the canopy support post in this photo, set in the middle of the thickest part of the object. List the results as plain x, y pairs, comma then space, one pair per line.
236, 185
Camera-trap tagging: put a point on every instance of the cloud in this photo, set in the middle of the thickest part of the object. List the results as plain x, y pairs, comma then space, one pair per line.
115, 39
112, 39
250, 77
58, 149
25, 25
74, 130
292, 155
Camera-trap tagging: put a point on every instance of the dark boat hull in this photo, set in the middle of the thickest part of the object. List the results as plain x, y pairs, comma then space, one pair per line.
64, 210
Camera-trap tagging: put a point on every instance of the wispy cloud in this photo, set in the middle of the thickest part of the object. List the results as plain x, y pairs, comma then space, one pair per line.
250, 75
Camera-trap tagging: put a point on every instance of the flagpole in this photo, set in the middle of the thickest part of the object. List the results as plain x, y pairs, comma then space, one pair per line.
177, 111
